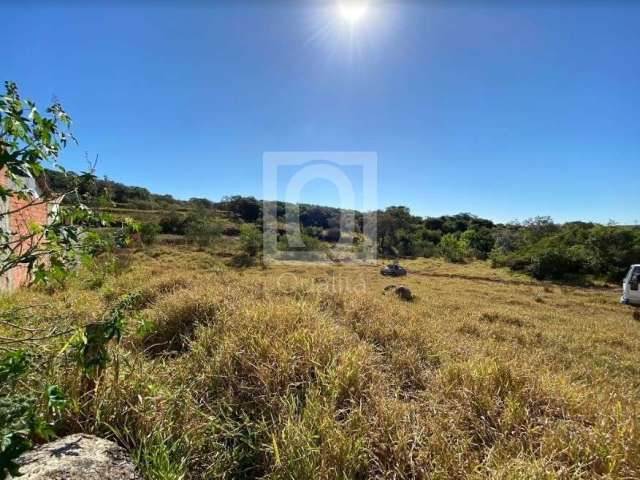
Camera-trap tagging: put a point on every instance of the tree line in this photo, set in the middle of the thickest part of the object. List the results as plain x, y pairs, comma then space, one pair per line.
538, 246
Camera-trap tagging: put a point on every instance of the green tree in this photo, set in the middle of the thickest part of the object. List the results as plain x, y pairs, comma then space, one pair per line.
172, 222
478, 242
246, 208
29, 140
202, 231
250, 240
452, 248
396, 226
148, 232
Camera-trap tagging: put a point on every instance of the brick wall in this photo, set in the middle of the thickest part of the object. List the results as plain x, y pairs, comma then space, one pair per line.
19, 223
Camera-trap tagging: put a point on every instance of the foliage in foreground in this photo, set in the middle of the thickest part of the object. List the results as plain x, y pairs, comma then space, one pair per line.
27, 416
51, 251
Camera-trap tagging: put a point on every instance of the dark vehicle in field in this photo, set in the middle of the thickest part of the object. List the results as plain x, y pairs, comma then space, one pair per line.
393, 270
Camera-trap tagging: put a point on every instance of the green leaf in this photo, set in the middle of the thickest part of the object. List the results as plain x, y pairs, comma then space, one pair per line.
56, 400
13, 364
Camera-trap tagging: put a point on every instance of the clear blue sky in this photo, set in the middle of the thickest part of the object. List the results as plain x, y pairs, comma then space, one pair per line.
506, 112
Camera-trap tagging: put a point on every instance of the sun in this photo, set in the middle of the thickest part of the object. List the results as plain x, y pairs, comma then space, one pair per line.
352, 11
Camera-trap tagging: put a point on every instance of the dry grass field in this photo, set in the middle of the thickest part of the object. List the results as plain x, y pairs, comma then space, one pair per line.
314, 372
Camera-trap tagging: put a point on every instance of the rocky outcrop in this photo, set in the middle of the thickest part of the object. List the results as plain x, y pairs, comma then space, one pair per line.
403, 293
77, 457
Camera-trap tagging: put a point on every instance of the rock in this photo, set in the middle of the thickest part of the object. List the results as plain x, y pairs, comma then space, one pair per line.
404, 293
77, 457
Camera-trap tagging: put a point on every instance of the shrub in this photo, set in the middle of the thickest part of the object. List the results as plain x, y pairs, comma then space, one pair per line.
506, 240
96, 243
478, 242
556, 264
250, 240
452, 248
202, 232
173, 223
332, 235
315, 232
425, 248
148, 232
23, 418
313, 244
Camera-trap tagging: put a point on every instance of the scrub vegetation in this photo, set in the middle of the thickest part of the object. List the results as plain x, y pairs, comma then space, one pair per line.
576, 252
311, 371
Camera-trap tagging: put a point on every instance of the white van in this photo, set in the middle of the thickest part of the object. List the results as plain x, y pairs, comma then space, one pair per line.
630, 291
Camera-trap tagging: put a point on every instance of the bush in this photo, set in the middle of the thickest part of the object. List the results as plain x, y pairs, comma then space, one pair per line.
313, 244
96, 243
515, 261
425, 248
173, 223
555, 265
332, 235
315, 232
478, 242
551, 251
148, 232
23, 418
452, 248
250, 240
202, 232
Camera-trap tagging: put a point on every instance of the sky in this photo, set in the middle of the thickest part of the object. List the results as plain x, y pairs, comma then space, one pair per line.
504, 111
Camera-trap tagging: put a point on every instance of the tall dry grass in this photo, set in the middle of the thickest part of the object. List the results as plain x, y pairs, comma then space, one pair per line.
301, 372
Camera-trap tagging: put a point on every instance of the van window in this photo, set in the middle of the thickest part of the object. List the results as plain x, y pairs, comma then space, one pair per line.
632, 271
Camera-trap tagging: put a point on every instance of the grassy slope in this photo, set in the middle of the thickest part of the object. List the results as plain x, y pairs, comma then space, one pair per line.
303, 371
124, 210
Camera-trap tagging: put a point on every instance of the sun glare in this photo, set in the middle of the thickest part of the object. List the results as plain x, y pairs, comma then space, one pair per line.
352, 11
347, 27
